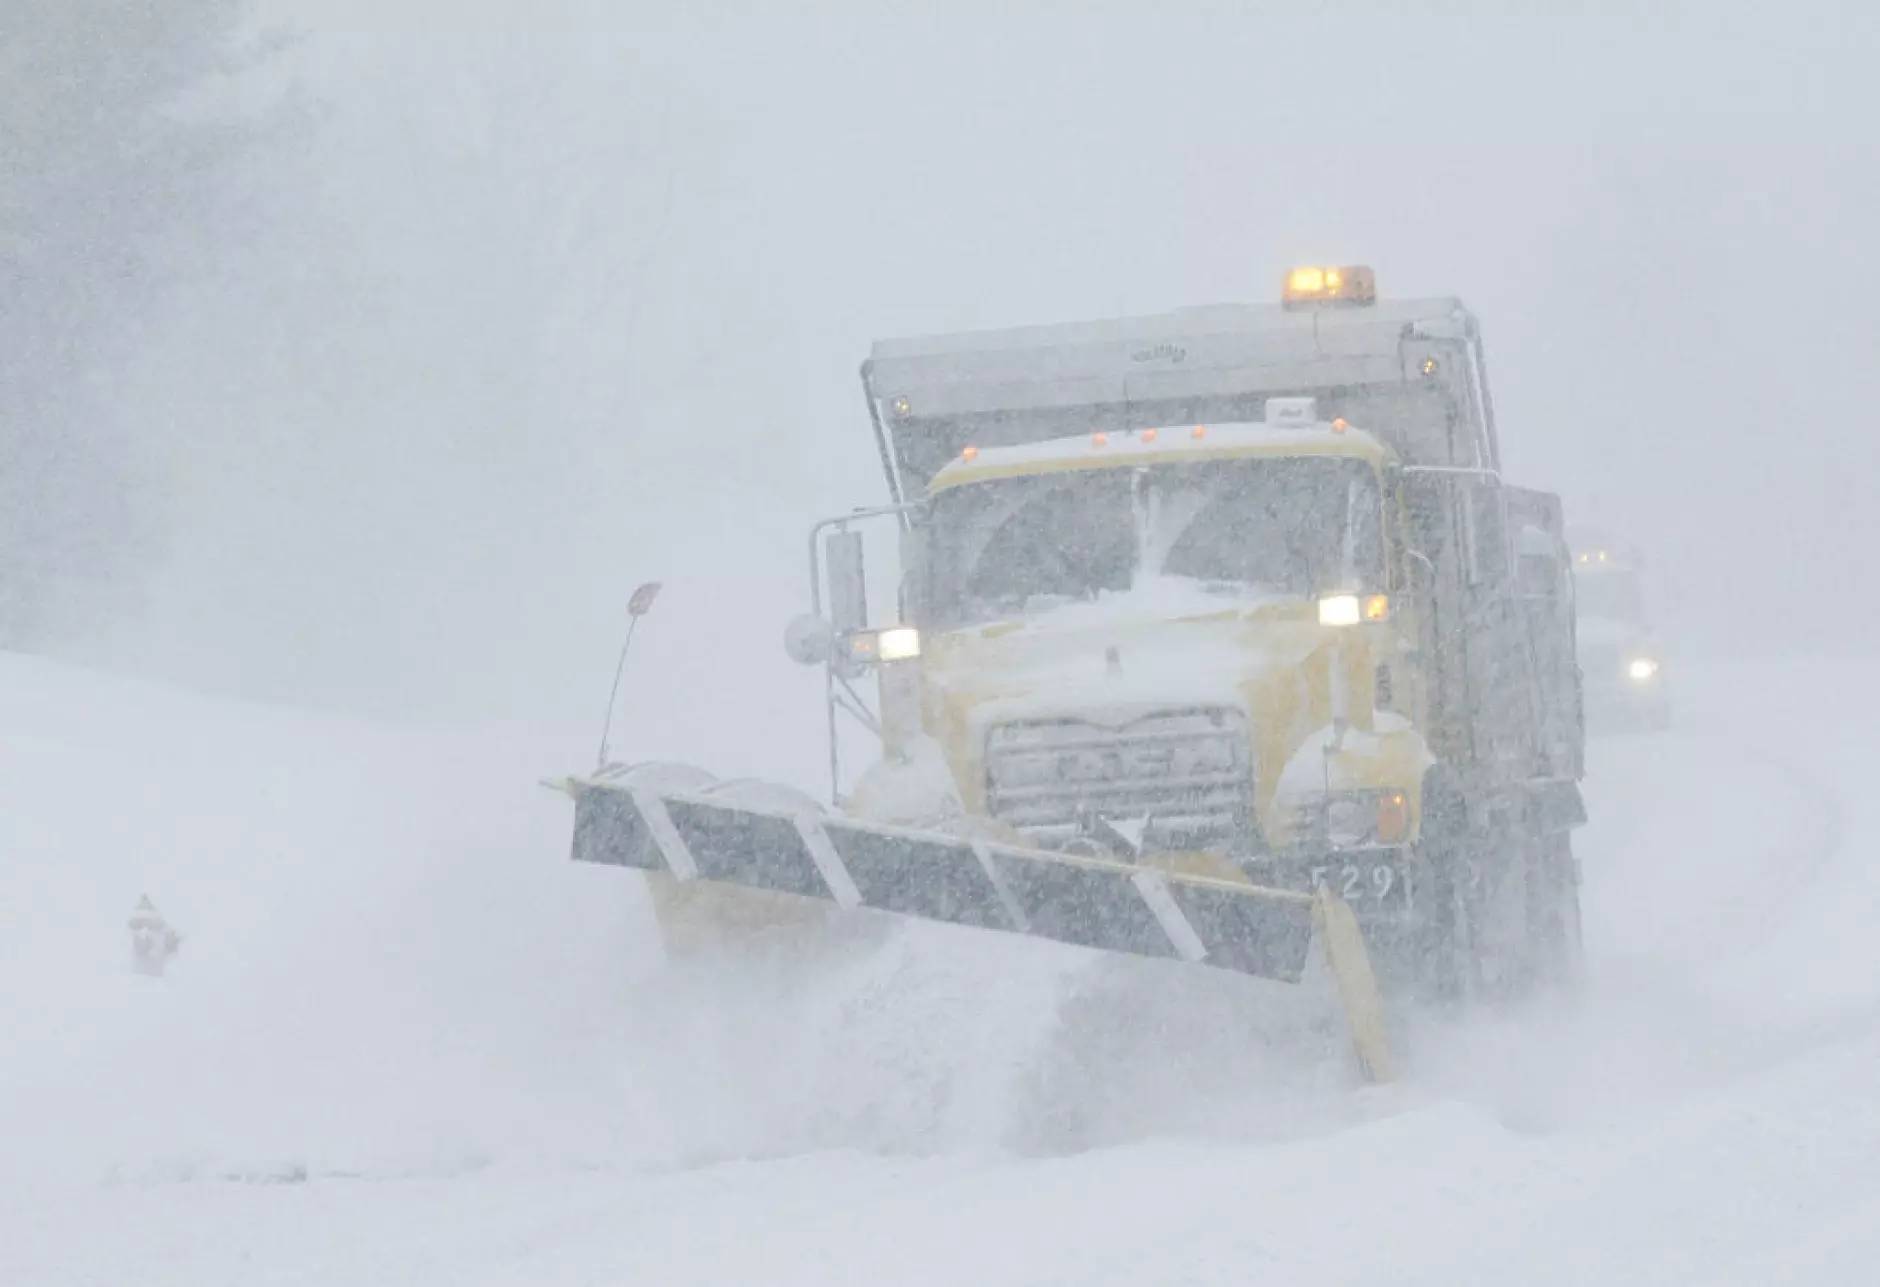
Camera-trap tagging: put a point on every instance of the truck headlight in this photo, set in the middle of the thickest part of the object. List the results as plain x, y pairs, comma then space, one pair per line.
898, 643
1339, 610
1641, 669
1350, 609
894, 643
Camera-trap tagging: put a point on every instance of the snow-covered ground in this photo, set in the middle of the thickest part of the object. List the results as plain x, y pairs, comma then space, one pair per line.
407, 1042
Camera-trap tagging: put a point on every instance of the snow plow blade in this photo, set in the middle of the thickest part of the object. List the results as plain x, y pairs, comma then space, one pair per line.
1089, 902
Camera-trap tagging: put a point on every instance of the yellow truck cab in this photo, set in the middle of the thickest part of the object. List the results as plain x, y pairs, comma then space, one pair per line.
1158, 671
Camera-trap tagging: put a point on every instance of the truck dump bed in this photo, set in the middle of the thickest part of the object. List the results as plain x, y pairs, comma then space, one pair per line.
1408, 370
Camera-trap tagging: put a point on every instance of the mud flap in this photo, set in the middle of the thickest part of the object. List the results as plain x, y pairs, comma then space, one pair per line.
1090, 902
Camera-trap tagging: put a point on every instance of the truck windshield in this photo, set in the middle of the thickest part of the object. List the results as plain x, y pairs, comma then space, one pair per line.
1293, 527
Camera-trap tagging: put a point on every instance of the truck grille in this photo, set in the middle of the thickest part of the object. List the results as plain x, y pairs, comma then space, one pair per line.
1189, 773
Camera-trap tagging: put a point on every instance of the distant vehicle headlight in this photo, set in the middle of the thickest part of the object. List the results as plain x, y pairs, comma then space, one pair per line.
1641, 669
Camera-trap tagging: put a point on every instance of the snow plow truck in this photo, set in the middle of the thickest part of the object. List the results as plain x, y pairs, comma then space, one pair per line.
1218, 636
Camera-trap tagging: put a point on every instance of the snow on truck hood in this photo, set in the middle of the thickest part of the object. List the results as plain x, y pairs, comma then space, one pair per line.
1168, 643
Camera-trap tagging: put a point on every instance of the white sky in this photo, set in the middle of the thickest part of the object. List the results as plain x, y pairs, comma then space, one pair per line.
570, 296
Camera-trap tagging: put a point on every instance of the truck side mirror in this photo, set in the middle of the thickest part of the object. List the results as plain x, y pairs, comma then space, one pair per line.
848, 582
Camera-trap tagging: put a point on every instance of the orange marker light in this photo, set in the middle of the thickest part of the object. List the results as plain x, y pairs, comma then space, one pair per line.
969, 453
1309, 285
1101, 439
1201, 431
1148, 435
1393, 817
1307, 281
1377, 607
1339, 425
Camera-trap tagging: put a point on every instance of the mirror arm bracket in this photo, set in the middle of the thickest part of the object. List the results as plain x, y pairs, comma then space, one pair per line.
841, 522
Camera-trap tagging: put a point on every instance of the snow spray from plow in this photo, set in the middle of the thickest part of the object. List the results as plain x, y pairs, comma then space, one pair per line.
1089, 902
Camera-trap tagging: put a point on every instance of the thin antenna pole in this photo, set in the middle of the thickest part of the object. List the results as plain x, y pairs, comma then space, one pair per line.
620, 669
638, 606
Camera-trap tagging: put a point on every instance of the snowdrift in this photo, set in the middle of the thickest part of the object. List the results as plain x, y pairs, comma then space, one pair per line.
407, 1040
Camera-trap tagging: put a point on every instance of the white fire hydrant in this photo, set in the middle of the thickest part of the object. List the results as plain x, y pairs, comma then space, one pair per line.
153, 942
